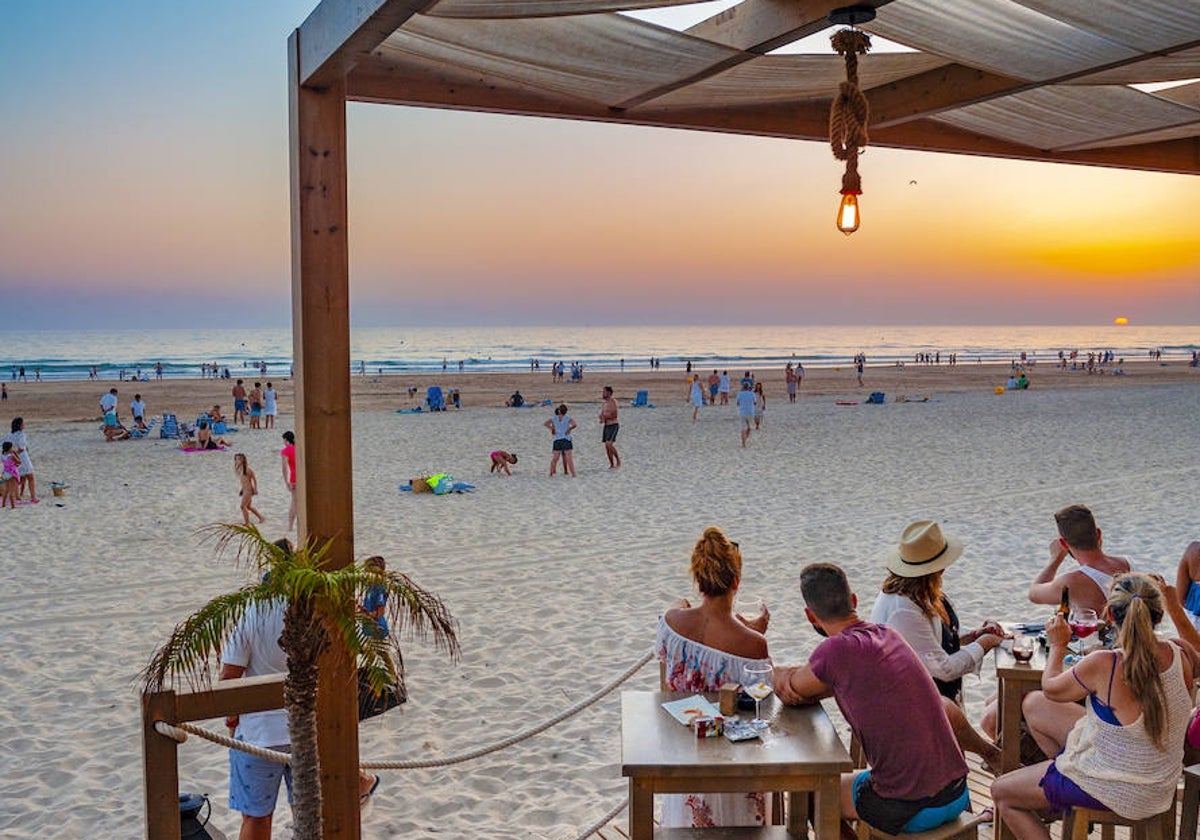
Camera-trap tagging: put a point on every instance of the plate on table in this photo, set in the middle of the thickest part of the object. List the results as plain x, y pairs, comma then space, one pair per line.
687, 708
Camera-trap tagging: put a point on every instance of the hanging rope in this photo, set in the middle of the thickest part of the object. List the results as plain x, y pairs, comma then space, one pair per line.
850, 112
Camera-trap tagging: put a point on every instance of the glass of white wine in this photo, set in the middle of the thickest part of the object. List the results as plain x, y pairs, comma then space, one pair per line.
757, 683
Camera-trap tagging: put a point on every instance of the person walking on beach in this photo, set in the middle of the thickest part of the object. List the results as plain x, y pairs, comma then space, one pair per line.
610, 427
696, 397
270, 406
714, 381
21, 449
859, 363
1088, 585
760, 405
723, 387
239, 403
790, 376
561, 426
288, 460
249, 487
745, 407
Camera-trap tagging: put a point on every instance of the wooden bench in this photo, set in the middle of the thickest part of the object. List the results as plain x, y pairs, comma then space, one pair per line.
1079, 821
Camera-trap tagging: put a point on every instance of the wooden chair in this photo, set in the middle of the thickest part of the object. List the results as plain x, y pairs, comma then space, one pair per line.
963, 827
1078, 822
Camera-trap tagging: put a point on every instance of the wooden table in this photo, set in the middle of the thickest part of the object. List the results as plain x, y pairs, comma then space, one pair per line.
1015, 680
801, 754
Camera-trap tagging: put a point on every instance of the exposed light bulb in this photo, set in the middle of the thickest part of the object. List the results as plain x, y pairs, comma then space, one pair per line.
847, 217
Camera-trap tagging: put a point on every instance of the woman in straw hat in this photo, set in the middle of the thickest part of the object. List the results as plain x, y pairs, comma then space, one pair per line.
1124, 751
700, 648
913, 604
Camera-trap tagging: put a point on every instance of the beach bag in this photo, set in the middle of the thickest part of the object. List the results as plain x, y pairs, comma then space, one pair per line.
372, 705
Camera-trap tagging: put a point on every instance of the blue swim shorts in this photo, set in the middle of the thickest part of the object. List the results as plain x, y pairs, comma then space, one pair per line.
239, 405
897, 816
254, 783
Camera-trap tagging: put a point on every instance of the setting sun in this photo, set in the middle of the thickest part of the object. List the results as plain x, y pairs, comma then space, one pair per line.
1121, 321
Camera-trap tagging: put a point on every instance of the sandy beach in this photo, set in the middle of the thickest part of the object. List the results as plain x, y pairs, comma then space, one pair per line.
557, 583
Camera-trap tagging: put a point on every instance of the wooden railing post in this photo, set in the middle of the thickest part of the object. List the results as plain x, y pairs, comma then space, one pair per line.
160, 768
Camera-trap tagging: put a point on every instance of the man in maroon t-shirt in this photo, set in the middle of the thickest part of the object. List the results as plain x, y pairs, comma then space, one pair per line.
917, 776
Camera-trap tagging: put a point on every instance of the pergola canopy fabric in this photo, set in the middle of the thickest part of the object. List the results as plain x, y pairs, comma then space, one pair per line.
1033, 79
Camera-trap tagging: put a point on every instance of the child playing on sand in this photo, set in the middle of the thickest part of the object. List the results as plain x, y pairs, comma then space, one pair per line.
501, 460
241, 468
10, 472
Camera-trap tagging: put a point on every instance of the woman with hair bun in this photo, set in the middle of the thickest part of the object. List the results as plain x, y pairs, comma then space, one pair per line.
700, 648
1124, 750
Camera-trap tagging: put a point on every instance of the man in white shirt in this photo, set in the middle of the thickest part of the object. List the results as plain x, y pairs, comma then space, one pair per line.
253, 650
113, 430
138, 409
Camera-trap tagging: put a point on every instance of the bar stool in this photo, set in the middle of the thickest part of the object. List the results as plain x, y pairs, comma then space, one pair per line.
1078, 823
964, 827
1191, 803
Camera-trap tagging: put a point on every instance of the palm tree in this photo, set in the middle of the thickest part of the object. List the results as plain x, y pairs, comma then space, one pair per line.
322, 608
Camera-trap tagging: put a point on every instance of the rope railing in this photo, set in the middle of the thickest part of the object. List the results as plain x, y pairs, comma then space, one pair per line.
180, 731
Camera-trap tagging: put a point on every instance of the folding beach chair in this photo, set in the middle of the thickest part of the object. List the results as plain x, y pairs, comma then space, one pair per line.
170, 426
135, 432
641, 399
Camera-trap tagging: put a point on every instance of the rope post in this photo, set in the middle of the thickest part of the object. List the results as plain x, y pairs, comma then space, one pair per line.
848, 118
160, 768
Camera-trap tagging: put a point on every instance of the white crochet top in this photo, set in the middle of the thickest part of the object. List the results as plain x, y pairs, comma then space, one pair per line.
1120, 765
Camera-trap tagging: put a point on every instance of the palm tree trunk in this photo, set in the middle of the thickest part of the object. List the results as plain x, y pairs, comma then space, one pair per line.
303, 640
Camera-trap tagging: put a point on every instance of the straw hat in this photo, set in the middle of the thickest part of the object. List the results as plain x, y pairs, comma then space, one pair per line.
923, 550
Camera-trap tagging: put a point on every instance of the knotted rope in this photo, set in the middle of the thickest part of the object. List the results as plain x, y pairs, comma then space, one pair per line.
850, 112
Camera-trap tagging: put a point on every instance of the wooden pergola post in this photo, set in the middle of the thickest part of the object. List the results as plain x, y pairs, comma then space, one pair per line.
321, 336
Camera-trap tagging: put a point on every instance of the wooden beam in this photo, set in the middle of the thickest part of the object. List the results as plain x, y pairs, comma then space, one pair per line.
940, 89
339, 32
1181, 157
160, 768
759, 26
754, 27
321, 336
230, 697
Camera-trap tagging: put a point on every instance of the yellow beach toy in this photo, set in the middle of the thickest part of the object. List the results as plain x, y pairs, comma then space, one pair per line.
999, 389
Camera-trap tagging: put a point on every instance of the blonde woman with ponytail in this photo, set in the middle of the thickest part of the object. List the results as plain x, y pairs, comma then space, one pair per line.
1124, 750
701, 647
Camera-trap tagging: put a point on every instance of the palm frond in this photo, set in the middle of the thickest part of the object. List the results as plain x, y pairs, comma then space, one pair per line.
197, 640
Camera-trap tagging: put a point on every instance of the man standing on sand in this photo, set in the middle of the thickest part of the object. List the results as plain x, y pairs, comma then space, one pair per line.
1087, 586
714, 380
608, 420
252, 651
723, 388
917, 778
745, 406
239, 403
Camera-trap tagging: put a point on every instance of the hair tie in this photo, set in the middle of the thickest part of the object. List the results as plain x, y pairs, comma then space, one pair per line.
1135, 595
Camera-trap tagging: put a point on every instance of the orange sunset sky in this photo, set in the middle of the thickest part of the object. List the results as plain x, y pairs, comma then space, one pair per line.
144, 182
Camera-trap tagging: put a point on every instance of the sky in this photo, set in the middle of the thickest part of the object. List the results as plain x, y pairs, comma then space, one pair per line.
144, 182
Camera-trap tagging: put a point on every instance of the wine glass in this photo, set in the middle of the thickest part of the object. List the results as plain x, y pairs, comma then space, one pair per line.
758, 685
749, 607
1084, 622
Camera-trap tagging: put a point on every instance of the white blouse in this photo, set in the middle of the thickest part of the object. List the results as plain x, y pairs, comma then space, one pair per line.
924, 635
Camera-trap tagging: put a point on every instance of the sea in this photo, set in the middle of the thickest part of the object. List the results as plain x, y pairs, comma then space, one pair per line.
72, 354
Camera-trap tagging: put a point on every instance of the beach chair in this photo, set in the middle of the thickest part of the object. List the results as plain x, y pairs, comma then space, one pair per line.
141, 433
170, 427
641, 400
435, 399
